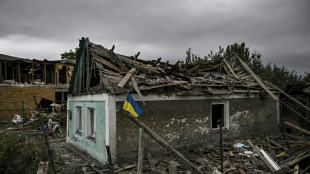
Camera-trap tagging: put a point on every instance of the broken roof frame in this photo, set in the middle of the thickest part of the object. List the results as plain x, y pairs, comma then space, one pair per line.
119, 74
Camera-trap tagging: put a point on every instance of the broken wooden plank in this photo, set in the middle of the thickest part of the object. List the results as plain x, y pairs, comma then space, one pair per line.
296, 169
231, 153
292, 151
241, 171
115, 171
107, 63
258, 80
152, 134
193, 69
297, 159
136, 87
277, 144
117, 60
126, 78
138, 65
283, 135
160, 86
300, 115
97, 170
230, 69
108, 72
296, 127
288, 96
156, 62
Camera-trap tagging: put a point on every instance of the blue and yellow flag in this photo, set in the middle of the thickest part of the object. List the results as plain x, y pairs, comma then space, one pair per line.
131, 106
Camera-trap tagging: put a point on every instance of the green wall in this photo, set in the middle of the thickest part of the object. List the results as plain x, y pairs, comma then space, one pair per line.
95, 148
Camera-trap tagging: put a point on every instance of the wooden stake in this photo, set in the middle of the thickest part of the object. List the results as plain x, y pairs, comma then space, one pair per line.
140, 151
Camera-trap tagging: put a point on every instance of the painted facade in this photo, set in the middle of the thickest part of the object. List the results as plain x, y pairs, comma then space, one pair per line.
92, 145
181, 121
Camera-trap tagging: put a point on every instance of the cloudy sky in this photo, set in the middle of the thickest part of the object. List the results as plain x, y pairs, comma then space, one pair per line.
278, 29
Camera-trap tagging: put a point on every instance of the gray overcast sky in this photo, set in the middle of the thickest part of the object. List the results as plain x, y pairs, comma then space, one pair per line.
278, 29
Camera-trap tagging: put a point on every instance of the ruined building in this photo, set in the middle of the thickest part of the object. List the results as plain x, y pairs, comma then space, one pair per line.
21, 79
182, 102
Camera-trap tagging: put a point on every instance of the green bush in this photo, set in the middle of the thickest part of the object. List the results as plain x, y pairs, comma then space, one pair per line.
18, 155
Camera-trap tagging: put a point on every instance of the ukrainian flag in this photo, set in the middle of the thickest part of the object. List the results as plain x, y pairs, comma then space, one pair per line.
131, 106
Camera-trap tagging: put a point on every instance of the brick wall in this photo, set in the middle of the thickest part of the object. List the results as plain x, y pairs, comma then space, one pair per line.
23, 93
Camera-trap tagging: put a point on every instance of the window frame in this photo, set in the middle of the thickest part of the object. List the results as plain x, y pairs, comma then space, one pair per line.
79, 120
91, 122
225, 116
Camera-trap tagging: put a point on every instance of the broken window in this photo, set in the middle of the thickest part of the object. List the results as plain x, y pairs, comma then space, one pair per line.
79, 119
60, 97
219, 111
91, 122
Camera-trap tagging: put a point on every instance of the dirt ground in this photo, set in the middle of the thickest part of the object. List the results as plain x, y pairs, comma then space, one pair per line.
67, 159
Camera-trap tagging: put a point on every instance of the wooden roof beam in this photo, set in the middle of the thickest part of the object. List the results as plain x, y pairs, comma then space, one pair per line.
258, 80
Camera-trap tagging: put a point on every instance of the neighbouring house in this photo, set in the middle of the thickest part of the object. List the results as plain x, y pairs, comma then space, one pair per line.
182, 102
21, 79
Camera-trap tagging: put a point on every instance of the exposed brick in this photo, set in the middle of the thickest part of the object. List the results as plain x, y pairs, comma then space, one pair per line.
22, 93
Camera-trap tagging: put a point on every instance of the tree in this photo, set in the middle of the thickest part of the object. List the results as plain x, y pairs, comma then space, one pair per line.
192, 58
306, 77
69, 55
279, 76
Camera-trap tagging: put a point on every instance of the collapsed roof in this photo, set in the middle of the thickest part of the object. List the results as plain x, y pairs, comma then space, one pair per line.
15, 70
101, 70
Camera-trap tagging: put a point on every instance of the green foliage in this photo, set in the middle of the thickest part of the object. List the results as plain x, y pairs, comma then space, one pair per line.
306, 77
216, 56
279, 76
18, 155
69, 55
192, 58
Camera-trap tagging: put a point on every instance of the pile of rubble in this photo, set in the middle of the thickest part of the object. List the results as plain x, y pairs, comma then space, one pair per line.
282, 154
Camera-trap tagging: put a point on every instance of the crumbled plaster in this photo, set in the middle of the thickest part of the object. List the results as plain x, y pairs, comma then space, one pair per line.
241, 118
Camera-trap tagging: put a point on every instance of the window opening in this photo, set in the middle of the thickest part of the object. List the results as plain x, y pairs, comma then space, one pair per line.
79, 119
91, 122
217, 113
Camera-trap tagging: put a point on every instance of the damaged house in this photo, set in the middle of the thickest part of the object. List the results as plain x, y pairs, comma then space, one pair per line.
182, 102
21, 79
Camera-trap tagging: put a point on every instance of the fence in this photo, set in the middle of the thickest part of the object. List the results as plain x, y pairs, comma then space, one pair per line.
6, 115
